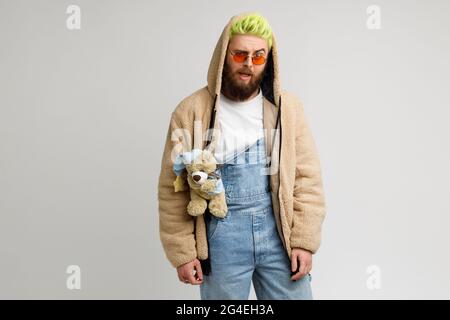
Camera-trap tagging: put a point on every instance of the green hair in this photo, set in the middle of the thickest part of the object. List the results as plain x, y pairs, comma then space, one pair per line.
255, 24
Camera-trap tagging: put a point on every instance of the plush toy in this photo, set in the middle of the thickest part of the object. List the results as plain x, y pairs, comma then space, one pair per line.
204, 180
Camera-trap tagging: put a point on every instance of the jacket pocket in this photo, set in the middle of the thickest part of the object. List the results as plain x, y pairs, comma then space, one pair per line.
288, 204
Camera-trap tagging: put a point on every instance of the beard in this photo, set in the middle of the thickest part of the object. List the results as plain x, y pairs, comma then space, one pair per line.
239, 91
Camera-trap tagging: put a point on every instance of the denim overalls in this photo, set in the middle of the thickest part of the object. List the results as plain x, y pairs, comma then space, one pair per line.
245, 245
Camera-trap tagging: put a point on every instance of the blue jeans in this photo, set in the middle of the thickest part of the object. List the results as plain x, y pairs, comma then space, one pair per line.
245, 245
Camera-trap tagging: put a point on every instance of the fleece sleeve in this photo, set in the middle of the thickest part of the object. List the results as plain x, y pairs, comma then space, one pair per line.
176, 226
308, 198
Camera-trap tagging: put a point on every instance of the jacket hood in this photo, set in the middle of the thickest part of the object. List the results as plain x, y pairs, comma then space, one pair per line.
270, 84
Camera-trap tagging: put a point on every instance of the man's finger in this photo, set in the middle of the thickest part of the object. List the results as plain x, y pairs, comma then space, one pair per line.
198, 269
192, 280
298, 274
294, 263
309, 268
303, 269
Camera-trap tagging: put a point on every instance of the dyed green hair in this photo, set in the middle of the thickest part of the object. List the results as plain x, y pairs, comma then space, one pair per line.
255, 24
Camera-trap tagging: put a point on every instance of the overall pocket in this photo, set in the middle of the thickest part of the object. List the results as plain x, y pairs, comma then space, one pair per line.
213, 225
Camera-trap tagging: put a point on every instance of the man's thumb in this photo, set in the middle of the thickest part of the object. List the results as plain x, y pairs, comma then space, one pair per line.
198, 268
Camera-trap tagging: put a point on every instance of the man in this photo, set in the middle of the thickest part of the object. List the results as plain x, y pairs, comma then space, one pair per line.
273, 224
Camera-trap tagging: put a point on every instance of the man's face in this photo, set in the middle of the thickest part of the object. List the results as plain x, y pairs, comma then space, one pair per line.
241, 80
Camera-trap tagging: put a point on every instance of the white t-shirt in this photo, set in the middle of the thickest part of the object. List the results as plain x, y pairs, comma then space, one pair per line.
240, 125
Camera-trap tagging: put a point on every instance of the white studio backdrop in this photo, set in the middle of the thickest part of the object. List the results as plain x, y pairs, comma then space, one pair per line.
84, 110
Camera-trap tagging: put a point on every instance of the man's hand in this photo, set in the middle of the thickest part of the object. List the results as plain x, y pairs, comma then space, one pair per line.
191, 272
301, 263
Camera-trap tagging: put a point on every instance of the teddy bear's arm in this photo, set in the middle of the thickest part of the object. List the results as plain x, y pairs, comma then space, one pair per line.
218, 187
209, 186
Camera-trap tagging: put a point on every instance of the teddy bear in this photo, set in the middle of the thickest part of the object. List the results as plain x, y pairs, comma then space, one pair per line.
200, 169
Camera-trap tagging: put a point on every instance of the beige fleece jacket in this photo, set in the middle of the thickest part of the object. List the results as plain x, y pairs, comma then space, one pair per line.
295, 180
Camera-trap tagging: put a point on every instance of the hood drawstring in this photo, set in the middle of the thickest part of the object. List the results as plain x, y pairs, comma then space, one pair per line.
211, 121
278, 121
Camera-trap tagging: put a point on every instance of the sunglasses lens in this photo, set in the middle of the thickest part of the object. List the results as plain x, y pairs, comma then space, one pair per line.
240, 57
258, 60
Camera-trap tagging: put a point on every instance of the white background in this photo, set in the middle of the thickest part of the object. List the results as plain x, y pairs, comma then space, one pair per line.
84, 114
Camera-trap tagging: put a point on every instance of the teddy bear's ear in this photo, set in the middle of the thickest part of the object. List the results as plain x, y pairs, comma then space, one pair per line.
179, 184
208, 156
208, 148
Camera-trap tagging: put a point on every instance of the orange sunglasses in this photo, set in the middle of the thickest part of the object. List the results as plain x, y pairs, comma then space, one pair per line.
241, 56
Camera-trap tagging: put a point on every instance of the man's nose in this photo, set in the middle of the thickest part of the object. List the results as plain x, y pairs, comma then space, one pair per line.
248, 62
